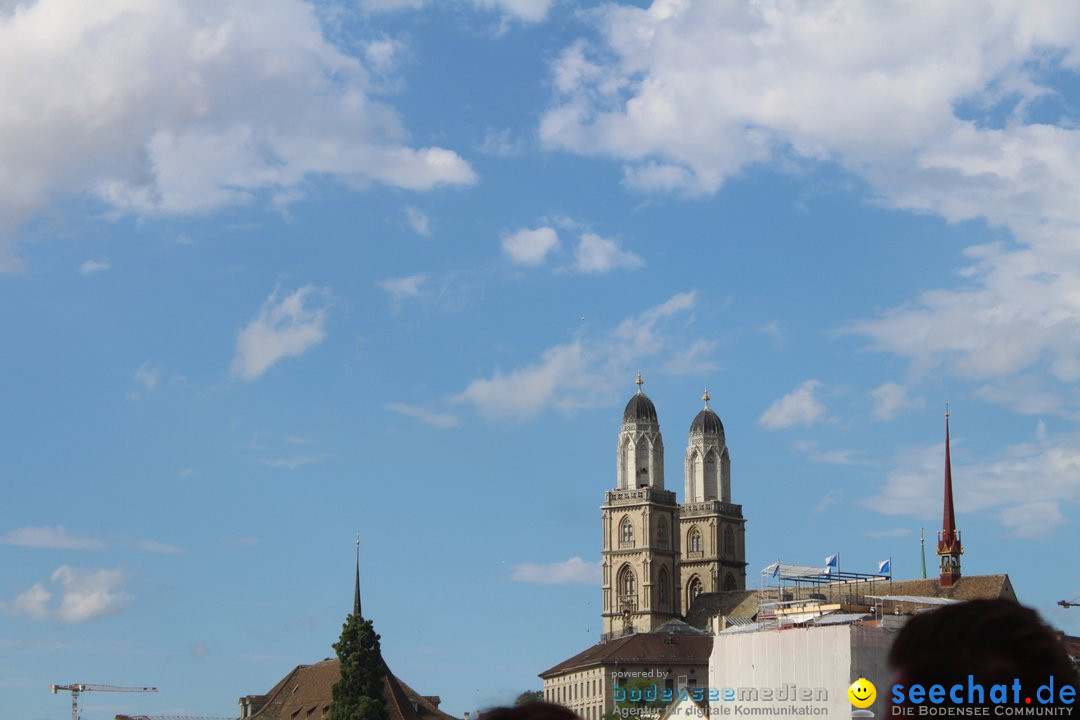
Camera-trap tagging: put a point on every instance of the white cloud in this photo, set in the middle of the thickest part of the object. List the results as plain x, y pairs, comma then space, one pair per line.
574, 571
827, 457
930, 108
1032, 521
284, 327
158, 547
890, 399
595, 254
530, 247
50, 537
523, 10
84, 594
1029, 394
1025, 484
418, 220
578, 373
694, 359
383, 54
403, 287
294, 462
835, 457
88, 594
168, 108
499, 143
94, 266
375, 6
798, 407
829, 499
34, 603
147, 375
432, 418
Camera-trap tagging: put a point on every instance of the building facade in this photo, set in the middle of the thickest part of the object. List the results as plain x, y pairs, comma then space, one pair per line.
659, 554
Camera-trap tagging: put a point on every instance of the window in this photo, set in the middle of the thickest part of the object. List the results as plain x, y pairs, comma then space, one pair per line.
729, 582
626, 533
694, 589
729, 542
627, 582
661, 533
663, 591
693, 541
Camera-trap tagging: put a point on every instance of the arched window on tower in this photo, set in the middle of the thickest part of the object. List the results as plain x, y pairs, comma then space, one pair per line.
642, 463
627, 584
626, 533
693, 589
662, 533
710, 485
693, 542
729, 582
664, 591
729, 542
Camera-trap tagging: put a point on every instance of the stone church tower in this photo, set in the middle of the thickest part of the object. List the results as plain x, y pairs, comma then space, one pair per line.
712, 529
641, 529
659, 555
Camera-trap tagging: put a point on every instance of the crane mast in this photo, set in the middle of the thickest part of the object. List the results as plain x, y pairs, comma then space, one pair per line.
87, 687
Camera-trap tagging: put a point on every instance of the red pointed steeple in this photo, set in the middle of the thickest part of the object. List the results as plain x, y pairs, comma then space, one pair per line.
949, 547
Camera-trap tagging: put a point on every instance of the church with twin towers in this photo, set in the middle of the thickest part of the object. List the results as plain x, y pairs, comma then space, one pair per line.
659, 554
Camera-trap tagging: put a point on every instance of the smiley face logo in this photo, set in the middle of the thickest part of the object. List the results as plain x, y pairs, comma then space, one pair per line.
862, 693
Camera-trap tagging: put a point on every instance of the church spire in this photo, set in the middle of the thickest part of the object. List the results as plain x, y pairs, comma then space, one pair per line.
949, 547
356, 595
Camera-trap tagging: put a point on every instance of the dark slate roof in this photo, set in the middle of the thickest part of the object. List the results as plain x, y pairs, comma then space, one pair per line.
640, 409
678, 627
739, 603
640, 648
307, 691
744, 603
973, 587
707, 422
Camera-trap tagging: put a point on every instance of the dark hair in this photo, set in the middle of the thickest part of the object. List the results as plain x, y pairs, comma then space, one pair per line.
995, 641
530, 711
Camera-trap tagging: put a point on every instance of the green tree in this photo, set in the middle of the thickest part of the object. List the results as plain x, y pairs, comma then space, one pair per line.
358, 695
529, 696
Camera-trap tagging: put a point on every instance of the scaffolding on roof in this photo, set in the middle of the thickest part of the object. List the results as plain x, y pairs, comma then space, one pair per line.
794, 594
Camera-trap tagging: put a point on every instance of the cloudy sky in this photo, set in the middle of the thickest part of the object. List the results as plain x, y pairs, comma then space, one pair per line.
276, 273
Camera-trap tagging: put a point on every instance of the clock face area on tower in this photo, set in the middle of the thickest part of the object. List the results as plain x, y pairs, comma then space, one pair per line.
659, 555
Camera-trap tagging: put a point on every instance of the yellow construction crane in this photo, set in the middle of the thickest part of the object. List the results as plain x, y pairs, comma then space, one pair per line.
83, 687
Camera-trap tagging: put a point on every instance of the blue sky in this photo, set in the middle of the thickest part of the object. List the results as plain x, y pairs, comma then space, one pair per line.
277, 273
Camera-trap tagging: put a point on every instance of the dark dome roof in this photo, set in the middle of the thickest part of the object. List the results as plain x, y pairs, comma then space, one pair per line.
707, 422
640, 408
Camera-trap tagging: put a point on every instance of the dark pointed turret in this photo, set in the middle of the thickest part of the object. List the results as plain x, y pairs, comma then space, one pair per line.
949, 547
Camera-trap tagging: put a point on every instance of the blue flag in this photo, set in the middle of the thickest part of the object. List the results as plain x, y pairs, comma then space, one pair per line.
832, 560
884, 567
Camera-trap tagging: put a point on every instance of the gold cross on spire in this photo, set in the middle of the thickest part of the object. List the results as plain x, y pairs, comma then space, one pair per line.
706, 397
639, 382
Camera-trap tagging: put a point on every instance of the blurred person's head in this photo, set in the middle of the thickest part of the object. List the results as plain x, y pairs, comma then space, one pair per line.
995, 641
530, 711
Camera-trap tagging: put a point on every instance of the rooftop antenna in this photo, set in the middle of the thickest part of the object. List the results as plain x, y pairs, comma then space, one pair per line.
922, 547
356, 596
